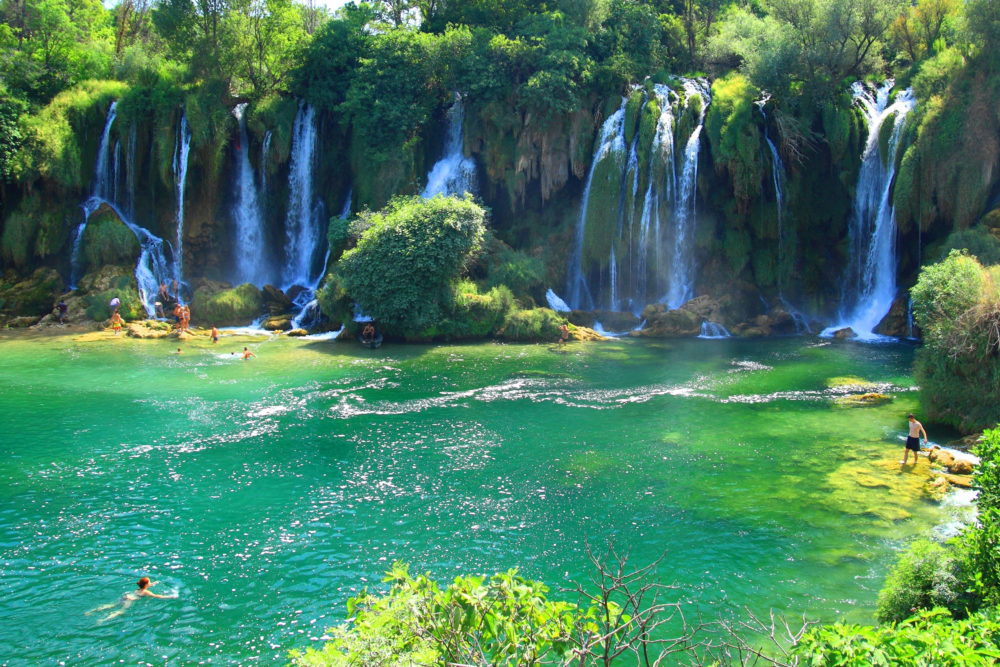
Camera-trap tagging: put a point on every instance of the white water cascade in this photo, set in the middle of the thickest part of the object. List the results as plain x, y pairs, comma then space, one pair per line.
454, 173
870, 284
152, 268
182, 149
651, 254
682, 268
99, 188
249, 221
309, 311
713, 331
303, 226
611, 143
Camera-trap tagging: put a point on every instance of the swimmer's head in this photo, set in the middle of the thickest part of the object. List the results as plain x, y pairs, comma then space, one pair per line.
142, 583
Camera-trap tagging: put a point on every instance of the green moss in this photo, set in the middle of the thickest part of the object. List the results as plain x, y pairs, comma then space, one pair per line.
53, 147
602, 210
632, 108
130, 308
236, 306
472, 314
734, 136
885, 131
977, 241
106, 240
648, 121
37, 229
274, 114
837, 130
33, 295
211, 124
535, 325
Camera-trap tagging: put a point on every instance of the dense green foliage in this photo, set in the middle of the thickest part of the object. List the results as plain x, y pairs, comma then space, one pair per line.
408, 257
956, 305
927, 575
929, 638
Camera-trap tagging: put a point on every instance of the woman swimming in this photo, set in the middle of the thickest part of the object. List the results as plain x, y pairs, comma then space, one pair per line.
127, 599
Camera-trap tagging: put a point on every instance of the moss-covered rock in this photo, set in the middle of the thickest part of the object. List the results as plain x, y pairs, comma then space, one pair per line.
108, 241
866, 400
232, 307
533, 325
662, 322
32, 295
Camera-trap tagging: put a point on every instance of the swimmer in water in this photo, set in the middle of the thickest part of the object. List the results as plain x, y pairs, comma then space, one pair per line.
127, 599
247, 353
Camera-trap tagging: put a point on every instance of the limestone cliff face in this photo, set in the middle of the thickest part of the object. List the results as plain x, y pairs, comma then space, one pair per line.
531, 174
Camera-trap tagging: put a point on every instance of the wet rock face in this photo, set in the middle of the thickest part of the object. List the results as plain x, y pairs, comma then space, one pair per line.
896, 323
275, 301
611, 320
664, 323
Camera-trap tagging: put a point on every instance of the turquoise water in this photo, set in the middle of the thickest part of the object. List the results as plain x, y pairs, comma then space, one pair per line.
264, 493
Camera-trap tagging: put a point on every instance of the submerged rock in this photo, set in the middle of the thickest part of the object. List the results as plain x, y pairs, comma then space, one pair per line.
863, 400
846, 332
280, 323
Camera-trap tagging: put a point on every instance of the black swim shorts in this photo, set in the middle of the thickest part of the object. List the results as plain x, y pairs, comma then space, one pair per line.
913, 443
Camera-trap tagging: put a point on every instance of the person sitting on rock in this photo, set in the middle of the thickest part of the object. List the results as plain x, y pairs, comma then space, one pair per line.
62, 308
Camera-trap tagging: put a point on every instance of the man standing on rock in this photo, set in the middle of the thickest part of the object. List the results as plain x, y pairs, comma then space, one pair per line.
912, 441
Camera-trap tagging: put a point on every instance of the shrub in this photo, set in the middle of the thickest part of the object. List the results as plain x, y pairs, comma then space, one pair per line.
404, 264
471, 314
236, 306
522, 273
978, 242
928, 638
925, 576
957, 307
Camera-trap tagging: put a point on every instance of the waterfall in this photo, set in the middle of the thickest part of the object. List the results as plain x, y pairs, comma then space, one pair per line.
661, 189
130, 172
713, 331
265, 151
303, 226
870, 284
453, 174
652, 244
247, 216
610, 143
182, 148
309, 310
98, 188
682, 268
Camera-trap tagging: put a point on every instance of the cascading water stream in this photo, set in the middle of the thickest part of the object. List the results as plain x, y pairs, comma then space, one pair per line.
652, 237
870, 285
303, 226
182, 149
99, 188
306, 301
681, 259
454, 173
610, 143
247, 216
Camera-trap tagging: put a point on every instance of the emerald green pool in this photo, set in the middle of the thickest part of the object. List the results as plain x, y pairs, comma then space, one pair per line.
266, 492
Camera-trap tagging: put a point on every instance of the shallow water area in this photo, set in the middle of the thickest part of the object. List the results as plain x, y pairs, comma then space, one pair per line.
267, 491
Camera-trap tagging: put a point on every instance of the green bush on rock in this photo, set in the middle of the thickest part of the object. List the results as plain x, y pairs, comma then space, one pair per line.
537, 324
957, 306
231, 307
927, 575
402, 270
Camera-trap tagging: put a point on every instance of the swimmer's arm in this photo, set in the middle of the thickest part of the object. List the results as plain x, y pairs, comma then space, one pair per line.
151, 594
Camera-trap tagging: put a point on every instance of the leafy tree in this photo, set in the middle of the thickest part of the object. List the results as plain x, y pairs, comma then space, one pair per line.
330, 63
810, 46
920, 27
268, 37
407, 258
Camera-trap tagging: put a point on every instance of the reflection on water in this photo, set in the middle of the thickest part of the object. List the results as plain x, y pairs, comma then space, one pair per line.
266, 492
